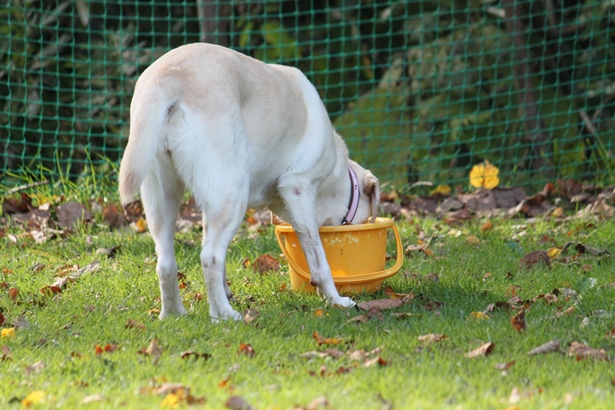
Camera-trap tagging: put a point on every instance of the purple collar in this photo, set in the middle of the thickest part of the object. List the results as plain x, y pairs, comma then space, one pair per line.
353, 204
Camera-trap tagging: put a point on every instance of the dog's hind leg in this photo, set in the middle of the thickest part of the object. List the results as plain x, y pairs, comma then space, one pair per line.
222, 224
161, 193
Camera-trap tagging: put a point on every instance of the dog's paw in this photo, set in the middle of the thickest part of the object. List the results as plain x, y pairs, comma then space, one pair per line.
228, 315
341, 301
166, 313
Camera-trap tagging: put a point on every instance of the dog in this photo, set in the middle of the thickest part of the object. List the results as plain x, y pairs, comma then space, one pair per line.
238, 134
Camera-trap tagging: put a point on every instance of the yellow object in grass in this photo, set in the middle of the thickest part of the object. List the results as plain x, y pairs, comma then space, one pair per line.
484, 175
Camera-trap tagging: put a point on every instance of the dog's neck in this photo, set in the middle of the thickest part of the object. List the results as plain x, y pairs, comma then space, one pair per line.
353, 203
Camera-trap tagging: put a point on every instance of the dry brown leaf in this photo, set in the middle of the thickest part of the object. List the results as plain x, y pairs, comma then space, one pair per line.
518, 321
534, 258
266, 264
376, 360
487, 226
505, 366
92, 398
134, 324
71, 215
237, 403
6, 354
381, 304
35, 367
483, 350
549, 347
582, 351
154, 350
194, 355
247, 349
431, 337
326, 341
250, 315
371, 314
13, 293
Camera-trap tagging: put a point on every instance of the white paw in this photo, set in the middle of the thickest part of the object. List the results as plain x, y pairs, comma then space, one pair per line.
165, 313
342, 302
230, 314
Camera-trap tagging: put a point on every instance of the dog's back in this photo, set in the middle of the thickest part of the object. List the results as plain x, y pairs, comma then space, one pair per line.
201, 98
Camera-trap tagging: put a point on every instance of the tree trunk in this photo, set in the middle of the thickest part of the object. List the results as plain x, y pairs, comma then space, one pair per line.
214, 22
533, 126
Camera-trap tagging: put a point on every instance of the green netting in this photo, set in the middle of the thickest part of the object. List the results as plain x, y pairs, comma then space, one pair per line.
421, 90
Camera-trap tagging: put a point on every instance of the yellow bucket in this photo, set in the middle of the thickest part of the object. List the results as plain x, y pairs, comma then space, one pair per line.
356, 255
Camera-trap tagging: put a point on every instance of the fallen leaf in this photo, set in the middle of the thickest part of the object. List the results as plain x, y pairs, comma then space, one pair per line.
549, 347
585, 249
326, 341
320, 313
266, 264
167, 388
35, 367
483, 350
431, 337
554, 252
93, 398
133, 324
381, 304
505, 366
108, 348
582, 351
487, 226
139, 226
318, 402
237, 403
34, 398
7, 332
372, 313
51, 290
473, 240
37, 268
376, 360
194, 355
534, 258
333, 353
518, 321
71, 215
21, 322
484, 175
480, 315
154, 350
250, 315
247, 349
109, 252
492, 307
6, 354
13, 293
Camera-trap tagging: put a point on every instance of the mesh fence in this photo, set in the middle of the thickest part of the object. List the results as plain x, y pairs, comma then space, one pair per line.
420, 90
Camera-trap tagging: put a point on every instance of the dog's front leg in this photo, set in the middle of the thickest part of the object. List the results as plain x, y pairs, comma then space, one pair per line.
300, 203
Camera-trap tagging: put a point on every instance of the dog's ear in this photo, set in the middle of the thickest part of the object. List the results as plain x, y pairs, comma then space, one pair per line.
371, 188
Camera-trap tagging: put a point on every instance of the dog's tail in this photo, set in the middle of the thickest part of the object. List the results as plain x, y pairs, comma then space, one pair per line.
147, 116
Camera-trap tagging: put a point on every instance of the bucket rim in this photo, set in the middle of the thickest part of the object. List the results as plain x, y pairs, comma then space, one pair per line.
379, 223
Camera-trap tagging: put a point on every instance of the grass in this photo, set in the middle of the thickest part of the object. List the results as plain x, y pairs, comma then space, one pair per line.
56, 353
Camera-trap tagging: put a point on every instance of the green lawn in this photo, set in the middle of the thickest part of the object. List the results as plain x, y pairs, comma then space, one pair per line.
78, 349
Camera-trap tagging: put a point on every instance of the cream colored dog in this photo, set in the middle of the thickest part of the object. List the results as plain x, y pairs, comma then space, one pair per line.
239, 134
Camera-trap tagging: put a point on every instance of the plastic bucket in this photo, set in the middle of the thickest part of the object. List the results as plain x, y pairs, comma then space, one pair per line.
356, 255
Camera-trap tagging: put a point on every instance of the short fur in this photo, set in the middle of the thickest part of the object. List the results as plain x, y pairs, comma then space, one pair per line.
239, 134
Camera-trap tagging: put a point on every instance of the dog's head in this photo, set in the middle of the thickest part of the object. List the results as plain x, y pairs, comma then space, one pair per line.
369, 191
